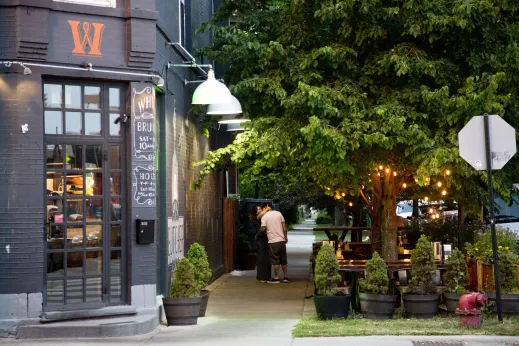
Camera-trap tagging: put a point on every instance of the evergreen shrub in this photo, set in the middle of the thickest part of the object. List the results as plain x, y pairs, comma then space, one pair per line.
326, 272
376, 281
184, 284
424, 268
456, 273
198, 258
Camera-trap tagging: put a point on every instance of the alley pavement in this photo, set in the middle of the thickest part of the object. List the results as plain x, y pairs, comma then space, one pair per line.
244, 312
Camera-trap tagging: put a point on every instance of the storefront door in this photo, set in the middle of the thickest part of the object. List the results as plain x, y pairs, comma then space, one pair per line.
85, 195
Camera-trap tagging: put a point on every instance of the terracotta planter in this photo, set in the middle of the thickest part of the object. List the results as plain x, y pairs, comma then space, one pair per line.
332, 307
451, 301
182, 311
377, 306
421, 305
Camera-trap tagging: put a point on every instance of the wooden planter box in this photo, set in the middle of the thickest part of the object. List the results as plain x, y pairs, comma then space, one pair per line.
481, 275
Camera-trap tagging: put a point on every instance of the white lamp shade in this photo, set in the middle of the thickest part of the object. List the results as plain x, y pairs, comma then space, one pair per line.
231, 119
235, 127
233, 106
211, 91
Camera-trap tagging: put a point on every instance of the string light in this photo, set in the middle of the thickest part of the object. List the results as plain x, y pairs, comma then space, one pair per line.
387, 170
439, 184
448, 172
380, 167
404, 185
394, 174
426, 198
444, 192
378, 174
427, 179
416, 180
350, 204
343, 194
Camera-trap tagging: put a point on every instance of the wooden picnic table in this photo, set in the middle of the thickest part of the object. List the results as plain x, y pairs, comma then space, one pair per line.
344, 229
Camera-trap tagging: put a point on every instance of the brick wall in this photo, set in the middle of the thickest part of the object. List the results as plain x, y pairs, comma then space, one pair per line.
21, 174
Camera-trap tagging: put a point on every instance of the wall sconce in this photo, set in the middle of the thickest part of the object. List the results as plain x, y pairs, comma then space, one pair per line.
235, 127
231, 107
26, 70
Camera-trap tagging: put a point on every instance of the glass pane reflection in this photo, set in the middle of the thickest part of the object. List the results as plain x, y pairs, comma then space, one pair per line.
74, 291
54, 184
74, 158
115, 129
115, 288
115, 99
55, 292
95, 209
92, 97
54, 156
75, 263
94, 235
94, 157
94, 265
115, 209
93, 124
53, 122
55, 265
74, 123
115, 236
115, 184
72, 96
52, 95
115, 262
94, 184
94, 290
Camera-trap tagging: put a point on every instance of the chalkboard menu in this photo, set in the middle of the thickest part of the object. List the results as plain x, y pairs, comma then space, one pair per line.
144, 183
143, 145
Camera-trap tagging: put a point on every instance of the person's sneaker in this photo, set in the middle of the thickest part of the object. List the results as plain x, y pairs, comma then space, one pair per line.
273, 281
285, 280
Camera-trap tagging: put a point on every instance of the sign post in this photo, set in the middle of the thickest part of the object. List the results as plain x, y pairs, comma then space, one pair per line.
489, 147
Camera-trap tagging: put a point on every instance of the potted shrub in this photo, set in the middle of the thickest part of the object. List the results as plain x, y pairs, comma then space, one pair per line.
198, 258
454, 279
329, 301
508, 280
375, 302
183, 305
422, 300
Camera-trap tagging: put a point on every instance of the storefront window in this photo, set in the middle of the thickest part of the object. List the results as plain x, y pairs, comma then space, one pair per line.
106, 3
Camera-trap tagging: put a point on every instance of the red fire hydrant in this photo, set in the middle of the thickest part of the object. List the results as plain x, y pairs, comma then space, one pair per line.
468, 309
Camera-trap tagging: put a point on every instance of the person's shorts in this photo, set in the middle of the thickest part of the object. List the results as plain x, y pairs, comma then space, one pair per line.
278, 253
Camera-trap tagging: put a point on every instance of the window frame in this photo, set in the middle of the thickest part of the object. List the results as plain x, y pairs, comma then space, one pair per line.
100, 3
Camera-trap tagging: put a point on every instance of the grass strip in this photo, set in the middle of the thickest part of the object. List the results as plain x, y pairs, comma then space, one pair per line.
313, 327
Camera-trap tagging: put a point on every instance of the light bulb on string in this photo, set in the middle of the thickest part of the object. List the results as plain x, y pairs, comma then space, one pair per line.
404, 185
444, 192
387, 170
448, 172
394, 174
439, 184
350, 204
381, 167
343, 194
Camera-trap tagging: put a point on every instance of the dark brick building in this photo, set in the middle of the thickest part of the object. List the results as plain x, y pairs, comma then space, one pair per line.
89, 145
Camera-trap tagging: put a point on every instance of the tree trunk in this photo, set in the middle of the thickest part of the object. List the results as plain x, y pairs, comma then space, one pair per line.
384, 231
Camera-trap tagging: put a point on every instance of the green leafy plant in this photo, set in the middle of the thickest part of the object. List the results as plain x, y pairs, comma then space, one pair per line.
481, 249
323, 218
507, 273
326, 270
198, 258
424, 268
184, 284
376, 281
456, 272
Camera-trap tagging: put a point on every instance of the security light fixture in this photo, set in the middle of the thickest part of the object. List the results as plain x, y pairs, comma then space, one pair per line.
158, 81
26, 70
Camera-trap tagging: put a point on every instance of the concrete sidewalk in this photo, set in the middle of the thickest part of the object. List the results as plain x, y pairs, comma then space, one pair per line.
242, 312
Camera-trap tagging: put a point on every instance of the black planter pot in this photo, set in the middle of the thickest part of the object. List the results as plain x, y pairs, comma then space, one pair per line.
181, 311
377, 306
204, 294
451, 301
421, 305
509, 303
332, 307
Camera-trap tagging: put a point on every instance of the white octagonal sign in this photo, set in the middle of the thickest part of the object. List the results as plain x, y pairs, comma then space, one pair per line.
472, 142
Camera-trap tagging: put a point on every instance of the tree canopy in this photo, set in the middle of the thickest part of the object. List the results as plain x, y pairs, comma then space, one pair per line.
367, 96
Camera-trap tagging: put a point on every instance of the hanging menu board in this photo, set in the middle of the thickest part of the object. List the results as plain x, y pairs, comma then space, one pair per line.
143, 146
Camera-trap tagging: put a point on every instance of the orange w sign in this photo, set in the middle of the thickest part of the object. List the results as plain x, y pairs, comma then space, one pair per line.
87, 42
